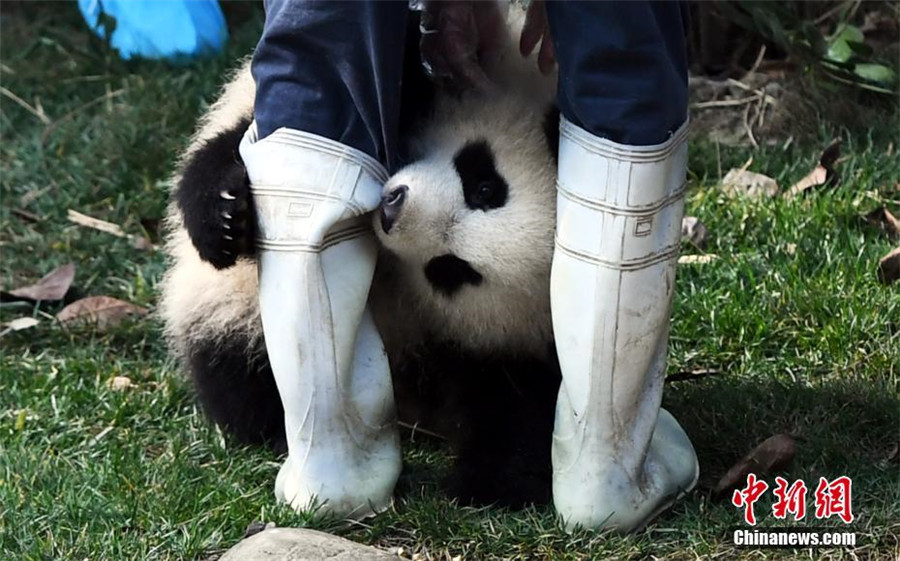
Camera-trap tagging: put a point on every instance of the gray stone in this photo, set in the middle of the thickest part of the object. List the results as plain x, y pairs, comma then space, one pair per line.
296, 544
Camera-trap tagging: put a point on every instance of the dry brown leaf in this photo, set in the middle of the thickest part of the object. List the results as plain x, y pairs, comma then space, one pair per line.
822, 174
889, 267
53, 286
119, 383
103, 311
882, 218
816, 177
773, 454
741, 182
18, 324
694, 231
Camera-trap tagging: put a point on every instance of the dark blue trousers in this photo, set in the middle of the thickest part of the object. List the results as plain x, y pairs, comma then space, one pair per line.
334, 68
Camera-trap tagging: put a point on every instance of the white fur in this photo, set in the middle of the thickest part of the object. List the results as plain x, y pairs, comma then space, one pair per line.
199, 302
510, 246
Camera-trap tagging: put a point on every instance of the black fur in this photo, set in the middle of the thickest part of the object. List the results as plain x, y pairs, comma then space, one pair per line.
497, 413
221, 227
448, 273
551, 131
237, 390
483, 187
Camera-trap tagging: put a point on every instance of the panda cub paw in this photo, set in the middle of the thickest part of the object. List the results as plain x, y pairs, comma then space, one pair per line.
214, 198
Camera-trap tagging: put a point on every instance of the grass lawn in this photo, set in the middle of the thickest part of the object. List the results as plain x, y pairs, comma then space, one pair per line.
791, 315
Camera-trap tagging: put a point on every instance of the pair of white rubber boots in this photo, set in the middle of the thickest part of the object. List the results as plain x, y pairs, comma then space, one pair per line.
618, 458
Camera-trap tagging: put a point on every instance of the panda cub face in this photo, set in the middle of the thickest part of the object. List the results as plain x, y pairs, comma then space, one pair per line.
471, 223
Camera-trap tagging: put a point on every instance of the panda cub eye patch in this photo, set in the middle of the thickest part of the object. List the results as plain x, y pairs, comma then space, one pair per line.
483, 187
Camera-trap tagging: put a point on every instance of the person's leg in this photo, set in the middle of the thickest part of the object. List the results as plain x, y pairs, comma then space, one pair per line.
618, 459
327, 110
333, 69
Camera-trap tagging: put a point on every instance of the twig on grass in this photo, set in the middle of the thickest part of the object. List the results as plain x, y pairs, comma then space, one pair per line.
757, 62
748, 128
37, 112
139, 242
25, 215
416, 428
95, 223
693, 374
725, 102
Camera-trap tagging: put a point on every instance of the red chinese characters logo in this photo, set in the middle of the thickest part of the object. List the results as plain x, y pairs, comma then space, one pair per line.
832, 498
748, 496
790, 499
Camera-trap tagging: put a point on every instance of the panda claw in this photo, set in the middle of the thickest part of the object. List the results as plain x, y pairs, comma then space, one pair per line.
213, 195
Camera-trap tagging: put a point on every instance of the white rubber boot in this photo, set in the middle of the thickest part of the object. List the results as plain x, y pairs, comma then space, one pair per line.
618, 459
316, 254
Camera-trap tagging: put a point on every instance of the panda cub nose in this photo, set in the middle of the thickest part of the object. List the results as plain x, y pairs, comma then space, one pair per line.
390, 206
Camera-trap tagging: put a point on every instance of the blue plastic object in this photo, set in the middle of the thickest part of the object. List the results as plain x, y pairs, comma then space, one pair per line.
159, 29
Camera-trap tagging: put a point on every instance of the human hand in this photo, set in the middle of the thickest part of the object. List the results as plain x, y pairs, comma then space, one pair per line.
458, 37
536, 30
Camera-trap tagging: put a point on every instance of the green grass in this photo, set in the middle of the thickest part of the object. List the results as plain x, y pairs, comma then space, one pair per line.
805, 341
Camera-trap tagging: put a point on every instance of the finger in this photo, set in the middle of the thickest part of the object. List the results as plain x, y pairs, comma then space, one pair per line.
533, 30
547, 55
493, 37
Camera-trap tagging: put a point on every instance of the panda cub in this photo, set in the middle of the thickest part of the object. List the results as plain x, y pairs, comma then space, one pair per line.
461, 290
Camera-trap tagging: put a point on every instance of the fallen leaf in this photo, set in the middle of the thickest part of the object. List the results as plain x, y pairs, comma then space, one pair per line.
741, 182
119, 383
773, 454
840, 49
694, 231
889, 267
822, 174
53, 286
882, 218
816, 177
142, 243
697, 259
103, 311
878, 73
18, 324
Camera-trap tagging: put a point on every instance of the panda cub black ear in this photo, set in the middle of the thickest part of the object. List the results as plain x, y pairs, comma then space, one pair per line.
551, 131
214, 198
